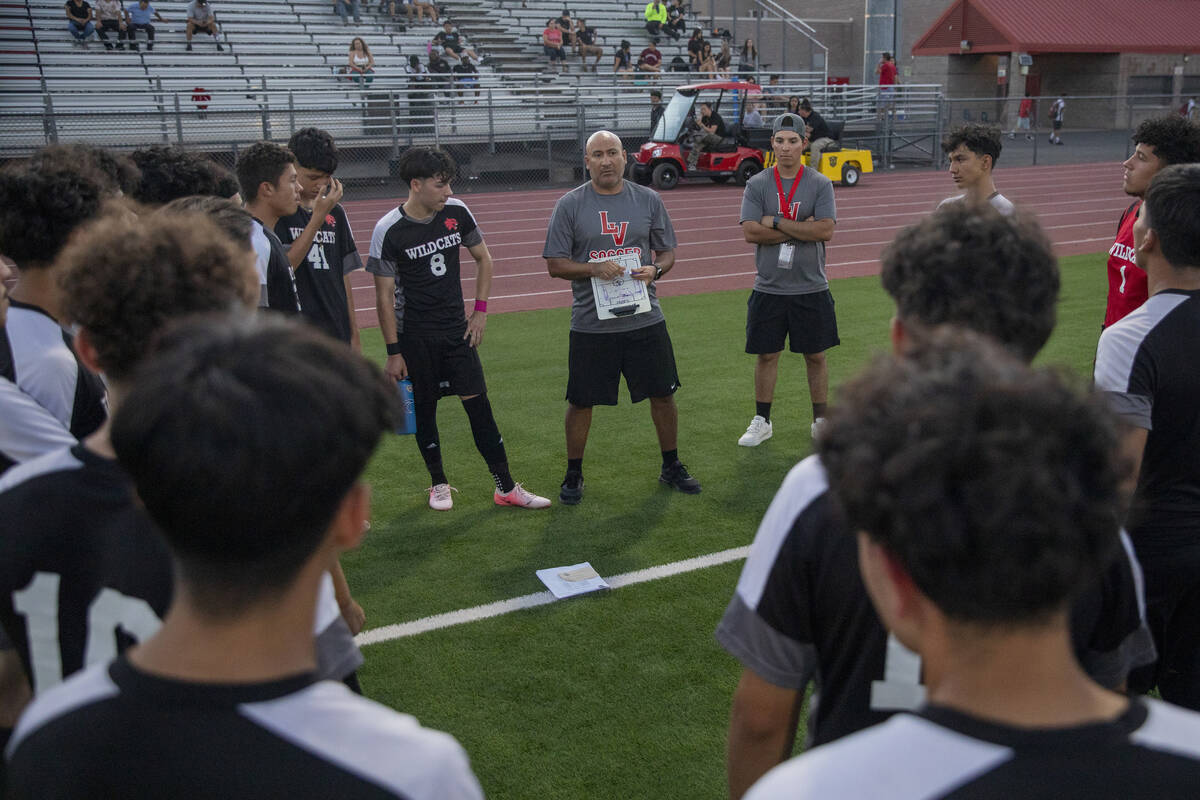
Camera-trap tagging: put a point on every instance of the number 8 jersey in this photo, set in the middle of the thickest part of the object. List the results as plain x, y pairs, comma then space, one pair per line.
422, 256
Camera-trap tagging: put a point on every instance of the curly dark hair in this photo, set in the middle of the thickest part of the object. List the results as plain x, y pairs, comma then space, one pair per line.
1171, 206
419, 163
981, 139
261, 162
226, 182
125, 278
995, 486
972, 266
1175, 140
234, 220
243, 436
169, 173
120, 173
40, 208
315, 149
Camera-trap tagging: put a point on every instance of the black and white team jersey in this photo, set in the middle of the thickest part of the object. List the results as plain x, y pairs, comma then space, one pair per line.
422, 256
320, 280
37, 360
275, 278
801, 613
116, 731
84, 572
1148, 364
1152, 750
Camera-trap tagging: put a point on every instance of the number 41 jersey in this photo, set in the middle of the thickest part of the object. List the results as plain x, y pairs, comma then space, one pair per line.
422, 256
801, 612
81, 565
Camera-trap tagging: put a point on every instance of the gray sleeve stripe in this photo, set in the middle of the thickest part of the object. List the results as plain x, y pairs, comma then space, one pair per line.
761, 648
93, 685
1134, 409
1170, 729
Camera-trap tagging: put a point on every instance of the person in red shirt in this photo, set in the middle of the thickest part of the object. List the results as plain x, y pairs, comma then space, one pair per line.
650, 59
1024, 117
886, 70
1158, 142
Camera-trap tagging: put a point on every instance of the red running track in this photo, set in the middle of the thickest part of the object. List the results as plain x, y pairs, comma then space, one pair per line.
1078, 205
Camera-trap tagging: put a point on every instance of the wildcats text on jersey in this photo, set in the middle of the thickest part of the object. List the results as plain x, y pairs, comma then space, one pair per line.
429, 248
320, 237
1123, 252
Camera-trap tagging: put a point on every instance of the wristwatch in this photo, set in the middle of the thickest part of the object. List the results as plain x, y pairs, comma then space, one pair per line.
658, 272
775, 221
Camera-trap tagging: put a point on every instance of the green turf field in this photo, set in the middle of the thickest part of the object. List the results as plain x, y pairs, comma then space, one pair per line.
624, 693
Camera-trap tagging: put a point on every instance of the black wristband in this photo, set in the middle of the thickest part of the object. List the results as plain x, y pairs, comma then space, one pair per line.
658, 272
393, 348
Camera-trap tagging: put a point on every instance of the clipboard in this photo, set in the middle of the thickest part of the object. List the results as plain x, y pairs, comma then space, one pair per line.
624, 295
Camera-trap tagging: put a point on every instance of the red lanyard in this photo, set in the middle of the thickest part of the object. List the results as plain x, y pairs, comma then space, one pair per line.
785, 205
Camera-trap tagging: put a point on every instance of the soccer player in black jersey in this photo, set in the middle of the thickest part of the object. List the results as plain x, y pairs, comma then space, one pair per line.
39, 210
418, 297
320, 244
246, 439
800, 613
983, 498
271, 189
1146, 364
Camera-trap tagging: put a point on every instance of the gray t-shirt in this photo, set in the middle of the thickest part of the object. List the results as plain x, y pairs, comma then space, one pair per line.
200, 13
588, 226
813, 198
996, 200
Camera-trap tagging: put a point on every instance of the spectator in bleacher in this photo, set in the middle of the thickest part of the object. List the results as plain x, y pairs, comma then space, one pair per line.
588, 43
773, 94
451, 43
708, 61
112, 17
656, 109
360, 64
656, 18
724, 59
695, 45
424, 9
439, 71
748, 59
552, 45
466, 78
752, 118
392, 5
650, 59
623, 63
568, 27
79, 20
139, 20
676, 19
346, 8
793, 105
201, 18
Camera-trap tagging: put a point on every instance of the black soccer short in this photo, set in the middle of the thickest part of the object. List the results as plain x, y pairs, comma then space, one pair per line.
807, 321
1173, 616
598, 360
440, 365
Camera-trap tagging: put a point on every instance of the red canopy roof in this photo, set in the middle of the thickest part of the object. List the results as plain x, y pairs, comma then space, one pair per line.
1065, 26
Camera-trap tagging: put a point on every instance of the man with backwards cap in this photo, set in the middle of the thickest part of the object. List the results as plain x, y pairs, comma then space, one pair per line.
788, 214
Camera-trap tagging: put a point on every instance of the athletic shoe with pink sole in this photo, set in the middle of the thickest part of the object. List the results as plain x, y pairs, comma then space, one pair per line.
520, 497
439, 497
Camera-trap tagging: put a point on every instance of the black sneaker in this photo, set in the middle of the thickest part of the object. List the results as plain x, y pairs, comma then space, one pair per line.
571, 491
677, 477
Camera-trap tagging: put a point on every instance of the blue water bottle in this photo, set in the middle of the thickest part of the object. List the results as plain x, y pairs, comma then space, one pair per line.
408, 420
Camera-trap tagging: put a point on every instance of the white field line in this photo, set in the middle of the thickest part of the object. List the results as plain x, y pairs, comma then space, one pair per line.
464, 615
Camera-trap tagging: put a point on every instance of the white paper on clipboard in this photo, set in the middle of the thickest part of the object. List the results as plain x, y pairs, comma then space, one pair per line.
624, 295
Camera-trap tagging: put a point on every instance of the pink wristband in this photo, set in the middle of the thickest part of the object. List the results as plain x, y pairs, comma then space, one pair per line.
481, 305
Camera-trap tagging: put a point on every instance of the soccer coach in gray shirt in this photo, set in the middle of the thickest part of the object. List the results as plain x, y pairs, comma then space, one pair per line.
788, 214
610, 218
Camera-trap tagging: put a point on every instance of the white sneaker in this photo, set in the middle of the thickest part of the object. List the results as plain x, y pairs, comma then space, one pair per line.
439, 497
817, 426
759, 431
521, 497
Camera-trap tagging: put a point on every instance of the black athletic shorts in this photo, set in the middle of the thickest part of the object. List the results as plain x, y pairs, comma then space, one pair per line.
1173, 616
598, 360
441, 365
807, 321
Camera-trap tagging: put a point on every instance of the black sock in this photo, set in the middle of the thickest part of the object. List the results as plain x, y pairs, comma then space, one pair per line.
575, 465
763, 410
503, 480
427, 440
669, 457
819, 410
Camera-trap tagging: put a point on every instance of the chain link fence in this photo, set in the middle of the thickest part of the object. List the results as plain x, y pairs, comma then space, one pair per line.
532, 131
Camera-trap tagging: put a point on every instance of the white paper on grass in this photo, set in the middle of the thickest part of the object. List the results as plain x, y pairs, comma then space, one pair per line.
572, 580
